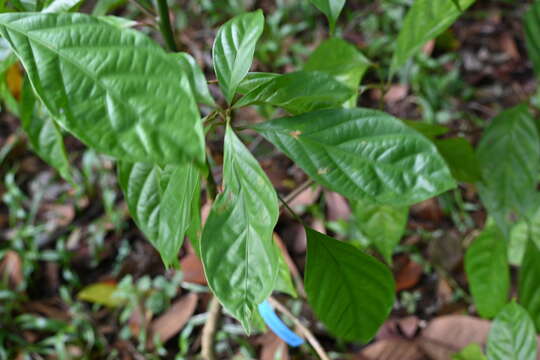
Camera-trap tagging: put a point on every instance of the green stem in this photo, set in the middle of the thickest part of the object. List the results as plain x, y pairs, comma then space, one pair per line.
165, 24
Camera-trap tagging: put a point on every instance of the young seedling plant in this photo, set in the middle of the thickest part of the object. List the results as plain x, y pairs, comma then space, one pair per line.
120, 93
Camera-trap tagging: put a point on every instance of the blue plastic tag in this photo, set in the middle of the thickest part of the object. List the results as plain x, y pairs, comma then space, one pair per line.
277, 326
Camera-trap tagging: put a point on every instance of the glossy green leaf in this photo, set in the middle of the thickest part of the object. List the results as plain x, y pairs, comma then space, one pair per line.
43, 133
362, 154
461, 158
299, 92
233, 50
425, 20
253, 80
531, 27
529, 277
160, 202
239, 256
487, 270
430, 131
114, 89
57, 6
470, 352
349, 291
509, 156
382, 225
512, 335
343, 61
196, 78
330, 8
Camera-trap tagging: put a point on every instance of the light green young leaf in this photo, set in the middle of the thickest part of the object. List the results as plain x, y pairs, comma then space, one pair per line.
330, 8
382, 225
512, 335
239, 256
196, 78
487, 270
343, 61
362, 154
160, 202
57, 6
529, 277
284, 281
43, 134
299, 92
349, 291
114, 89
531, 26
253, 80
233, 50
461, 158
520, 234
470, 352
509, 156
425, 21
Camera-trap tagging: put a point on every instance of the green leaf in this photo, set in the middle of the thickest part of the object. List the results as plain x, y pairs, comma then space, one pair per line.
512, 335
238, 253
330, 8
100, 293
349, 291
284, 281
430, 131
531, 27
253, 80
233, 50
343, 61
425, 21
299, 92
509, 156
114, 89
43, 133
160, 202
196, 78
487, 270
461, 158
470, 352
529, 277
382, 225
362, 154
57, 6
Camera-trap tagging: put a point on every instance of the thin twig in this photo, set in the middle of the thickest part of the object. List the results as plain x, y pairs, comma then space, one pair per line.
209, 330
312, 340
294, 194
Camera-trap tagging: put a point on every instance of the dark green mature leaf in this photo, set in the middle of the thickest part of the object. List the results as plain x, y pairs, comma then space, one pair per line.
349, 291
461, 158
238, 253
196, 78
330, 8
531, 26
512, 335
430, 131
343, 61
509, 156
529, 277
382, 225
488, 272
254, 80
113, 88
425, 20
362, 154
233, 50
43, 134
160, 202
299, 92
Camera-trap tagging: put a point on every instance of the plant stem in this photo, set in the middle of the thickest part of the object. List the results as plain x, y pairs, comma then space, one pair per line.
304, 330
300, 189
165, 24
209, 330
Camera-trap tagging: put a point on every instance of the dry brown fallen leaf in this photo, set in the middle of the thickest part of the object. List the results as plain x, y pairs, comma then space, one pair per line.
192, 268
397, 92
272, 347
174, 319
337, 208
408, 273
11, 266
